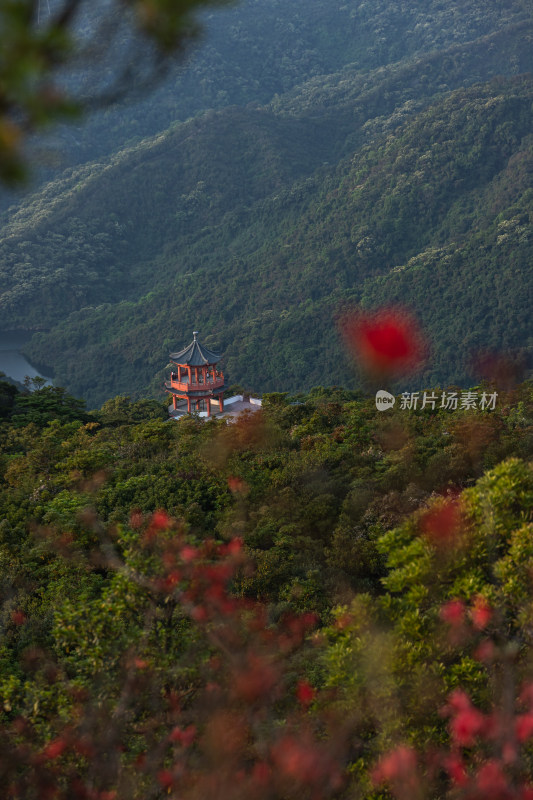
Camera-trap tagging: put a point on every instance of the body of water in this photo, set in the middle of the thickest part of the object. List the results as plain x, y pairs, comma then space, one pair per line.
12, 362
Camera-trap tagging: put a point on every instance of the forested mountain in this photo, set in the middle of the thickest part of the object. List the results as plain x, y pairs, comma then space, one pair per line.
386, 157
257, 49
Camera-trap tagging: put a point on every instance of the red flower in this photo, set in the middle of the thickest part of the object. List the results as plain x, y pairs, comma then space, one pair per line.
456, 769
481, 613
18, 617
297, 760
305, 693
485, 651
234, 547
184, 736
399, 765
199, 613
165, 778
54, 748
237, 485
466, 726
491, 781
524, 727
256, 680
160, 520
386, 341
188, 553
458, 701
171, 580
453, 612
442, 523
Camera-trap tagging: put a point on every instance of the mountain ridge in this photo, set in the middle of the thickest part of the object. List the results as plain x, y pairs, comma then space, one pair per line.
268, 218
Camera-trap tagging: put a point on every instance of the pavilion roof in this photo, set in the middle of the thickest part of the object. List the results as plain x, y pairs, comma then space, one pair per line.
195, 355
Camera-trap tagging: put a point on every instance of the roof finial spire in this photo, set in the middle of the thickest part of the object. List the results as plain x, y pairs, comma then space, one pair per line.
195, 334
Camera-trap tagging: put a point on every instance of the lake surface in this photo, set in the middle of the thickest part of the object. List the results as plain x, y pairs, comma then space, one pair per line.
12, 362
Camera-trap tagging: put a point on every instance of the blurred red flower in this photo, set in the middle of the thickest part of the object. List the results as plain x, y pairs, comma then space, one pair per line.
257, 679
398, 765
491, 781
524, 727
185, 736
481, 613
305, 693
165, 778
466, 726
237, 485
54, 748
453, 612
386, 342
456, 769
188, 554
441, 524
160, 520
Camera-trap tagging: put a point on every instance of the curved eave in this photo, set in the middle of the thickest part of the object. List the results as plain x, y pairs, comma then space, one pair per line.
195, 355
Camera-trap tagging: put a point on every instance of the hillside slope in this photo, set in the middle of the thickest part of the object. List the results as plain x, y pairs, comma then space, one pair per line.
442, 208
257, 225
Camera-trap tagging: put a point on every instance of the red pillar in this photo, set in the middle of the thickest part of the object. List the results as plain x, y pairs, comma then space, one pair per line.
221, 402
174, 401
188, 405
208, 407
190, 374
204, 373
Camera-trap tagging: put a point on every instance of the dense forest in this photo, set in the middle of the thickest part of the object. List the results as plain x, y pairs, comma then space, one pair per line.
277, 607
384, 158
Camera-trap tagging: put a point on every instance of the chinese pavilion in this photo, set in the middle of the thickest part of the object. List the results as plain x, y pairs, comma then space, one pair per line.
196, 379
